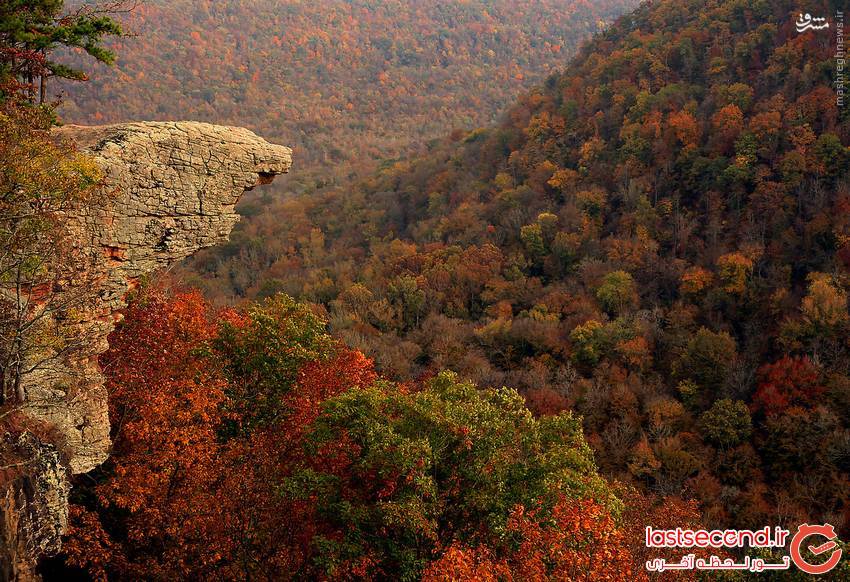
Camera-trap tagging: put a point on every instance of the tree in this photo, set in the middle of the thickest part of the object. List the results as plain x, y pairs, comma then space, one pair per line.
707, 361
532, 238
404, 291
791, 381
350, 476
270, 526
421, 469
589, 342
685, 128
727, 124
796, 441
831, 156
575, 540
262, 352
157, 511
727, 423
825, 305
30, 30
642, 509
695, 280
46, 190
176, 500
617, 292
734, 269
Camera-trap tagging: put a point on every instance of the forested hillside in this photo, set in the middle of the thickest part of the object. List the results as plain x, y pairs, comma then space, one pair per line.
252, 445
623, 304
657, 238
343, 82
241, 444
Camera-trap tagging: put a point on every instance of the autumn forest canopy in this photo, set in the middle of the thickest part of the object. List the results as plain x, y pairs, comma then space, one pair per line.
528, 295
347, 84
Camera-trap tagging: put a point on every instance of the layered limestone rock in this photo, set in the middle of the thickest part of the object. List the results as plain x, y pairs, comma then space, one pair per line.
33, 504
170, 189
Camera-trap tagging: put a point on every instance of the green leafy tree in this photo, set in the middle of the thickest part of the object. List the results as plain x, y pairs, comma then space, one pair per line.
532, 239
263, 351
31, 30
404, 292
707, 360
449, 462
727, 423
617, 292
589, 341
832, 156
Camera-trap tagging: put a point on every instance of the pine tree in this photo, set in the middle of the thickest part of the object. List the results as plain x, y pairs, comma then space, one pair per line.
30, 31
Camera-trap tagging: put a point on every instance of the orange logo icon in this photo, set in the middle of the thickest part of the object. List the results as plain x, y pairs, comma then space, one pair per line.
827, 531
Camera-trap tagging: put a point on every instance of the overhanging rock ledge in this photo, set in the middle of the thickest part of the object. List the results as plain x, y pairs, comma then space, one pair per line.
170, 189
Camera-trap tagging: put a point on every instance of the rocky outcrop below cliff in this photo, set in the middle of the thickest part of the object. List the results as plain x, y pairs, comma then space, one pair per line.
169, 189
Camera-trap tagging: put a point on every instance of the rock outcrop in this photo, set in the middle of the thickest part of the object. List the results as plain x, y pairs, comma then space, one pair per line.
169, 190
33, 505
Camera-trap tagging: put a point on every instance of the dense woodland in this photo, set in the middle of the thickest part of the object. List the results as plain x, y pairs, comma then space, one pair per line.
253, 445
345, 83
657, 239
626, 303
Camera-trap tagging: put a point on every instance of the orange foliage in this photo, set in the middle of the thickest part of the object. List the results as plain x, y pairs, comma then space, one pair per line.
695, 280
183, 495
164, 406
685, 127
643, 510
351, 83
727, 124
578, 541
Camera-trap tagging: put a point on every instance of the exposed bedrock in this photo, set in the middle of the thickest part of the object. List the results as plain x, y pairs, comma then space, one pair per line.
170, 190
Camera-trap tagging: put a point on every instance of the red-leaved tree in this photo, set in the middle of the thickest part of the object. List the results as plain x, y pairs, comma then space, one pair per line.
791, 381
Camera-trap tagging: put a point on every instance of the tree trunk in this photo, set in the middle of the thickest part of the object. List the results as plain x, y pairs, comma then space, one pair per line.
31, 86
20, 394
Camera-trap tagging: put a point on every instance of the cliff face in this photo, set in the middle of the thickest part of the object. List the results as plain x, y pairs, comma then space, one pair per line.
170, 189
